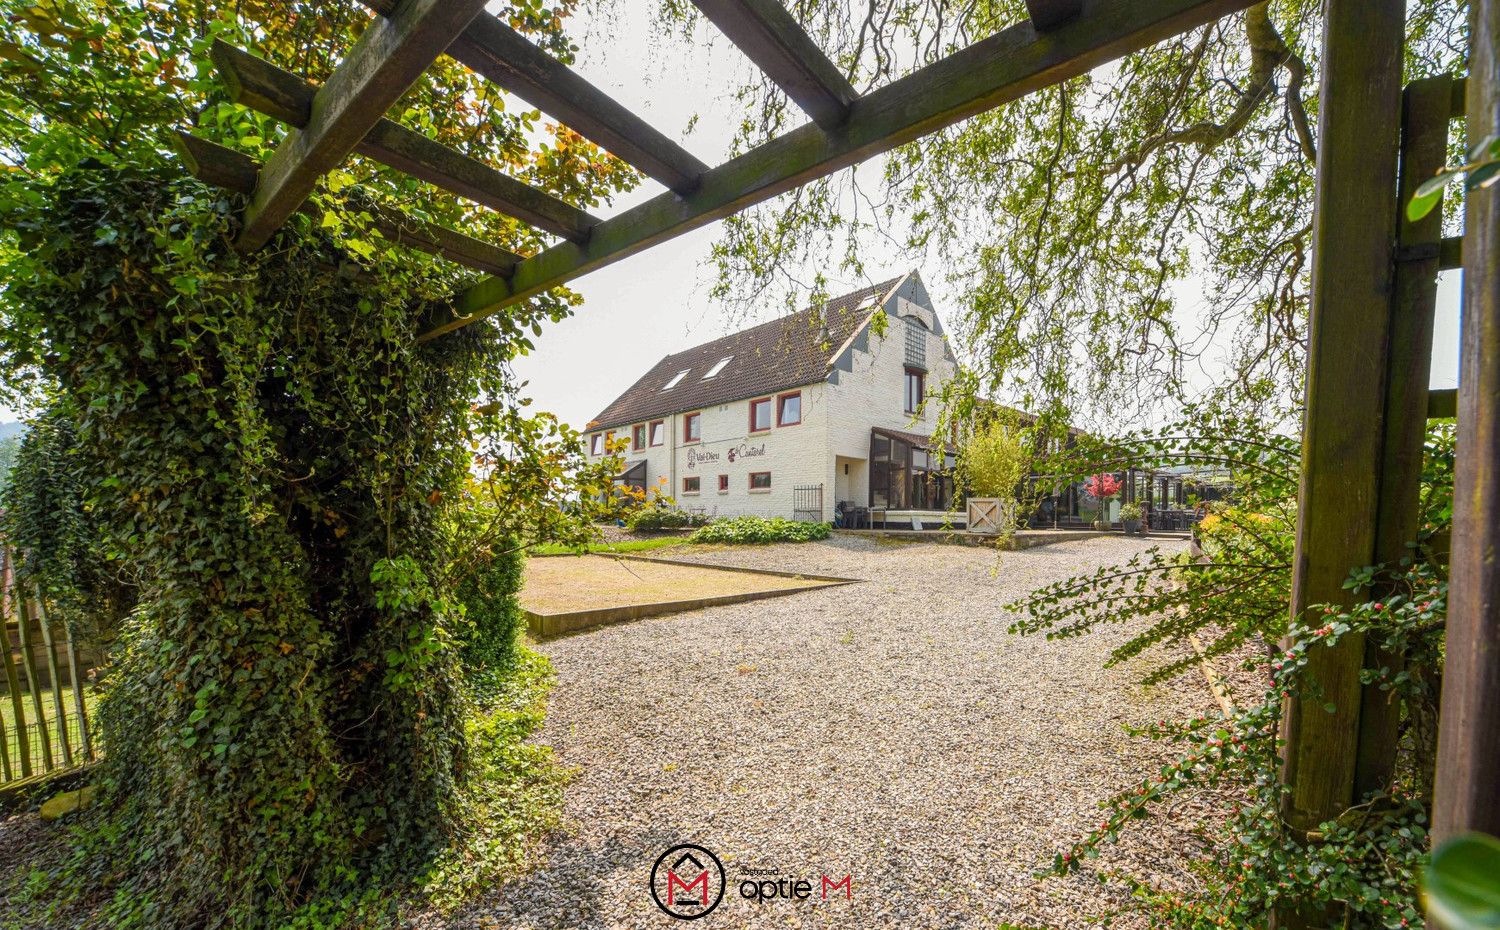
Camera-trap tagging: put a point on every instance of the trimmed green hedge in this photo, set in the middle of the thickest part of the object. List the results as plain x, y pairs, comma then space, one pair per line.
760, 530
664, 518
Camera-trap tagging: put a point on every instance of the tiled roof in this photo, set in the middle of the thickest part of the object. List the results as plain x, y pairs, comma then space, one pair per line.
784, 353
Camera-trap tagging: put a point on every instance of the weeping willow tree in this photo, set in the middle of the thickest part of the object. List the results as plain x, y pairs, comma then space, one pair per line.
1135, 235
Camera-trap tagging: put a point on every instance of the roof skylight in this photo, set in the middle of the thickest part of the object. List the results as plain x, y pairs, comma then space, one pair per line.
676, 378
718, 367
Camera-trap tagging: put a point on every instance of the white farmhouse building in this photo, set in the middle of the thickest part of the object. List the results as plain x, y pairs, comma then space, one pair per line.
804, 417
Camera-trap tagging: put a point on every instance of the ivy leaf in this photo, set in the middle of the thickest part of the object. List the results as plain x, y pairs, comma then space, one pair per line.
1463, 883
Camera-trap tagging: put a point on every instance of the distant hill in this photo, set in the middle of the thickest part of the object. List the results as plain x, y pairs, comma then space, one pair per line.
7, 430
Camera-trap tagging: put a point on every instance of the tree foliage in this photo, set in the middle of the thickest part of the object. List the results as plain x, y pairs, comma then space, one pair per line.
288, 477
1136, 235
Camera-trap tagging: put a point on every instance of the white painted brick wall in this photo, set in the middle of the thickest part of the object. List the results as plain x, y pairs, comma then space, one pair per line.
836, 421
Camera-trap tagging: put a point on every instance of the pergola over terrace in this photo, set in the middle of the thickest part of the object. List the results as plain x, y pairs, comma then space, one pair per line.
1373, 274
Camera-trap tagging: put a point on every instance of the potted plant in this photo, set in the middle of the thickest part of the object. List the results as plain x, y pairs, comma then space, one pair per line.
994, 460
1102, 487
1130, 515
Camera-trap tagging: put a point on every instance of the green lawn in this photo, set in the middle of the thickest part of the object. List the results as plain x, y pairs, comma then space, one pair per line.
629, 545
49, 714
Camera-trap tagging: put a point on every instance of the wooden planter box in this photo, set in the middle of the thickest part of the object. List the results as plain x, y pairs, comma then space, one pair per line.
988, 515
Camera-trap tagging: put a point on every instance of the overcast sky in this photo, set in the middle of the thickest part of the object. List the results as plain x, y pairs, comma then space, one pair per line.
656, 302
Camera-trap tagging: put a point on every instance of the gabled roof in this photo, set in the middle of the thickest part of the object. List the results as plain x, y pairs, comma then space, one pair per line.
774, 356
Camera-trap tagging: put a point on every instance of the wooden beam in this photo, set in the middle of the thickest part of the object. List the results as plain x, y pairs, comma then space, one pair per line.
260, 85
1047, 15
1006, 66
511, 61
1442, 404
1413, 307
1468, 767
224, 167
771, 38
1354, 233
389, 57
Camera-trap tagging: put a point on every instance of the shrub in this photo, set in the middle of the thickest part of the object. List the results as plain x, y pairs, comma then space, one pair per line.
760, 530
491, 627
995, 459
662, 518
1131, 512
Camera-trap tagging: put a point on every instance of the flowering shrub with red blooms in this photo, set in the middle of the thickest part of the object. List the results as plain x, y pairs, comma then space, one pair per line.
1102, 486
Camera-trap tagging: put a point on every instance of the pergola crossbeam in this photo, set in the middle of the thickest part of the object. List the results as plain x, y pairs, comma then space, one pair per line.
224, 167
1047, 15
772, 39
389, 57
260, 85
510, 61
997, 70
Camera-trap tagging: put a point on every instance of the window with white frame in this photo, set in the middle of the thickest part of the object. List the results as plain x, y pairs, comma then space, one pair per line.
718, 366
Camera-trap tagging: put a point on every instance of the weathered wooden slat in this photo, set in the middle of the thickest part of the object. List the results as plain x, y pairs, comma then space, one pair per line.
84, 738
1442, 404
12, 676
224, 167
58, 707
507, 58
771, 38
1468, 766
33, 684
1047, 15
390, 55
1004, 67
260, 85
1354, 232
1413, 306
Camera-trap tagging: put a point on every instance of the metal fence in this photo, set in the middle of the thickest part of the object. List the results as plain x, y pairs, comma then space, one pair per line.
45, 711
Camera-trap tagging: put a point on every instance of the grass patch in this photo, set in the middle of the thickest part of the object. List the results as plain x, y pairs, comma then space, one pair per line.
511, 800
628, 545
12, 735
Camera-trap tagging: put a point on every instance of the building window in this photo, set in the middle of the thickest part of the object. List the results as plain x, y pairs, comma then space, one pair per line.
789, 409
638, 437
692, 427
760, 415
690, 485
760, 481
723, 484
915, 389
718, 366
658, 432
675, 379
597, 446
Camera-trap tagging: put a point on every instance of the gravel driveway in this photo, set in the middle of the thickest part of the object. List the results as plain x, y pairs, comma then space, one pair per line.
889, 730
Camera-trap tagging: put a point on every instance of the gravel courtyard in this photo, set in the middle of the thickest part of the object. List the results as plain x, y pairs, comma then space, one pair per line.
890, 730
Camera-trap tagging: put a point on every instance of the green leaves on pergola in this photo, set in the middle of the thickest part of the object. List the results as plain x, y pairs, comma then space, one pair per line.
346, 115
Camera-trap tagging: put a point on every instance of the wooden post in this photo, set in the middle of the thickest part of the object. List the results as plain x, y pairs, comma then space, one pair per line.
78, 707
52, 671
1354, 230
28, 662
12, 678
1468, 772
1425, 116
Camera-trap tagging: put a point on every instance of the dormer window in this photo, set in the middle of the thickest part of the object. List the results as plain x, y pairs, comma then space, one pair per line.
718, 366
676, 378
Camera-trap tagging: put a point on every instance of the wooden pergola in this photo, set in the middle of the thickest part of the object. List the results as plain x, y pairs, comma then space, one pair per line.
1373, 274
